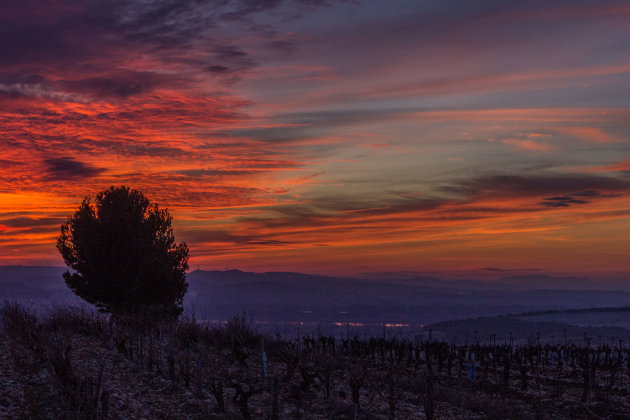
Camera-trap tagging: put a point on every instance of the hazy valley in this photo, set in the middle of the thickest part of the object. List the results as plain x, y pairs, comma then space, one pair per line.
288, 303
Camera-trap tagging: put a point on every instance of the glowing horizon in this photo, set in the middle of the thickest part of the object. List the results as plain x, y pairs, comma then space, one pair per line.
324, 136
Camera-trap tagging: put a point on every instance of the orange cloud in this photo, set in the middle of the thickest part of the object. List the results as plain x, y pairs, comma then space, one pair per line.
529, 145
621, 166
592, 134
231, 116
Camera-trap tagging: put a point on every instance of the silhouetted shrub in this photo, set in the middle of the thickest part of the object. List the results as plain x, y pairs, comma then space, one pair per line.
23, 326
16, 319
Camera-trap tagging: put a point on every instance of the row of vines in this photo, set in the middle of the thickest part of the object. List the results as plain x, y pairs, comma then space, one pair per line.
233, 369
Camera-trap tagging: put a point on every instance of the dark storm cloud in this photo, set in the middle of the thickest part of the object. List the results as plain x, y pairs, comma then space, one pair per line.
538, 185
476, 190
16, 78
29, 222
231, 59
119, 84
594, 194
66, 168
230, 52
161, 24
562, 201
468, 204
568, 189
93, 37
122, 84
583, 197
26, 44
218, 69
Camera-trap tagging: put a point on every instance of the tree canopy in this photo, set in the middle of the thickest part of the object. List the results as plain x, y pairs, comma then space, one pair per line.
123, 253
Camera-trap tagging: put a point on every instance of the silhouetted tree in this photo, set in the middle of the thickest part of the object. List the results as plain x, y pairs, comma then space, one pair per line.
124, 255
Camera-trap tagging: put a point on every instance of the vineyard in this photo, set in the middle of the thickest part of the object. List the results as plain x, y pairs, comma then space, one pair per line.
76, 364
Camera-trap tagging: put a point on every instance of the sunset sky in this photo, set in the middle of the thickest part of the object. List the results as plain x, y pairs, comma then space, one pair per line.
323, 136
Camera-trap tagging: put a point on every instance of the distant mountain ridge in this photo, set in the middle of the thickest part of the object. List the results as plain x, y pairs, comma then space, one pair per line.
275, 297
514, 283
50, 276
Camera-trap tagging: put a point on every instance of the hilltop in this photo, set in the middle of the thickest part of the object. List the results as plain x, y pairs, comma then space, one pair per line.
76, 364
